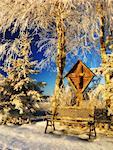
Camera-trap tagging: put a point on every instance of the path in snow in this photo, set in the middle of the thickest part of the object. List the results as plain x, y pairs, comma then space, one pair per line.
32, 137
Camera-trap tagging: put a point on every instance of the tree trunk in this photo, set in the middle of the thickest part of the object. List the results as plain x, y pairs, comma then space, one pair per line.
60, 58
103, 48
102, 40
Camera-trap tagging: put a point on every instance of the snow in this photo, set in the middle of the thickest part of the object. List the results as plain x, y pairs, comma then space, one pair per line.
32, 137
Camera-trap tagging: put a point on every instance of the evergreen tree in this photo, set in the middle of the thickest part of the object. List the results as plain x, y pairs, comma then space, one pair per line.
19, 93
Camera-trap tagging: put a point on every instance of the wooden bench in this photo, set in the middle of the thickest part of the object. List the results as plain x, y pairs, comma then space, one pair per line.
101, 116
70, 116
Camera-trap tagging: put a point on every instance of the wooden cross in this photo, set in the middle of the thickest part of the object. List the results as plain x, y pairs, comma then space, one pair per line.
79, 77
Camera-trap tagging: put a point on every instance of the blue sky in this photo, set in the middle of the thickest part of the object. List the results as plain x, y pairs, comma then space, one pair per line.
49, 78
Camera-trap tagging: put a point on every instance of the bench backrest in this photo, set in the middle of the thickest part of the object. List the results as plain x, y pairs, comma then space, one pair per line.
75, 113
101, 114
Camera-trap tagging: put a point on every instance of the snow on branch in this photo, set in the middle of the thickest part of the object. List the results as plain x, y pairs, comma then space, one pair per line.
81, 18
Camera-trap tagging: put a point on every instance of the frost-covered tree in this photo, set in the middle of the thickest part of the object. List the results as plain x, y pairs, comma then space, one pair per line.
19, 93
104, 9
71, 22
104, 91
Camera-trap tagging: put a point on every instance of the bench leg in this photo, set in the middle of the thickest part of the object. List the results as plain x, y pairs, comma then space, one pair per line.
53, 126
49, 123
46, 127
92, 130
95, 130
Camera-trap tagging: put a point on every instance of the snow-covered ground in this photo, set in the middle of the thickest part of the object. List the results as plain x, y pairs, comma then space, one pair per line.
32, 137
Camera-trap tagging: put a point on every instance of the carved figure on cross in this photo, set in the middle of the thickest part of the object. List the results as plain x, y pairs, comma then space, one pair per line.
81, 78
